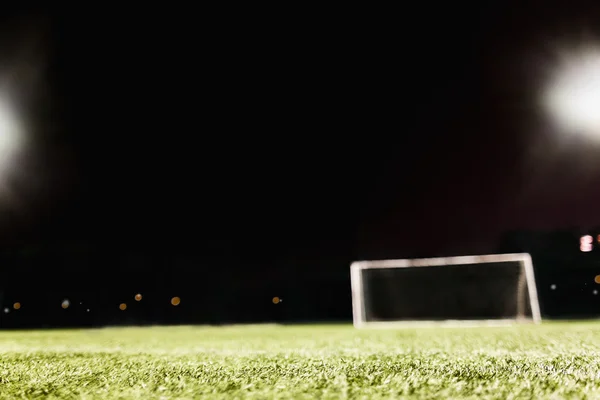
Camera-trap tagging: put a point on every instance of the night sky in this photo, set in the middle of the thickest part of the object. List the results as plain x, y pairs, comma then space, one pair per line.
306, 133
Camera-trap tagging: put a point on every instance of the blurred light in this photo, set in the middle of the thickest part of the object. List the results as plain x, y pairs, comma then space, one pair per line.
138, 297
6, 310
65, 304
175, 301
276, 300
597, 279
88, 310
586, 243
11, 137
17, 305
553, 287
122, 306
573, 97
595, 292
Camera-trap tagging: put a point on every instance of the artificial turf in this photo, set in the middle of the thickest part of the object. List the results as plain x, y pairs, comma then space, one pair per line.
552, 360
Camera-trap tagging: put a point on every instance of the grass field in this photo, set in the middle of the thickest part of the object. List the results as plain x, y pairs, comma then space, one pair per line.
557, 360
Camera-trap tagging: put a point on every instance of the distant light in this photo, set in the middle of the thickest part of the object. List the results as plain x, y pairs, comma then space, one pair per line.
574, 94
276, 300
175, 301
553, 287
65, 304
138, 297
586, 243
122, 306
597, 279
17, 305
595, 292
88, 310
6, 310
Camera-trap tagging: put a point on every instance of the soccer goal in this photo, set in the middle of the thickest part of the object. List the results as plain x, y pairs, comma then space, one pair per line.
493, 289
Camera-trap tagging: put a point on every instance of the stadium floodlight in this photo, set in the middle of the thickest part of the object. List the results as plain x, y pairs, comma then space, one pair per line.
573, 96
11, 137
472, 290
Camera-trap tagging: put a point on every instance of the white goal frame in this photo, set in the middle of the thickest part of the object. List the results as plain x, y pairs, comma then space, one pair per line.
358, 304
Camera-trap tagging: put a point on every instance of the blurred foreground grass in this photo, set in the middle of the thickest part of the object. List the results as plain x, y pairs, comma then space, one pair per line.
553, 360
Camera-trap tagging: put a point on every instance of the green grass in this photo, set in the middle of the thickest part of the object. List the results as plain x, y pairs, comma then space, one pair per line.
557, 360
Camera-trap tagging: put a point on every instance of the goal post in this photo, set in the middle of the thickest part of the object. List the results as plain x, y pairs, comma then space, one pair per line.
494, 289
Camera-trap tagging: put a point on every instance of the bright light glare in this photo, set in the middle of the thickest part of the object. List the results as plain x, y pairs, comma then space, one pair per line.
573, 97
10, 137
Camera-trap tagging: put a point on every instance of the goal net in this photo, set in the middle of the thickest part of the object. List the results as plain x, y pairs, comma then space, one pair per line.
477, 290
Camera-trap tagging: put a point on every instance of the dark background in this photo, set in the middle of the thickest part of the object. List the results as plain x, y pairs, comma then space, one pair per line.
231, 155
